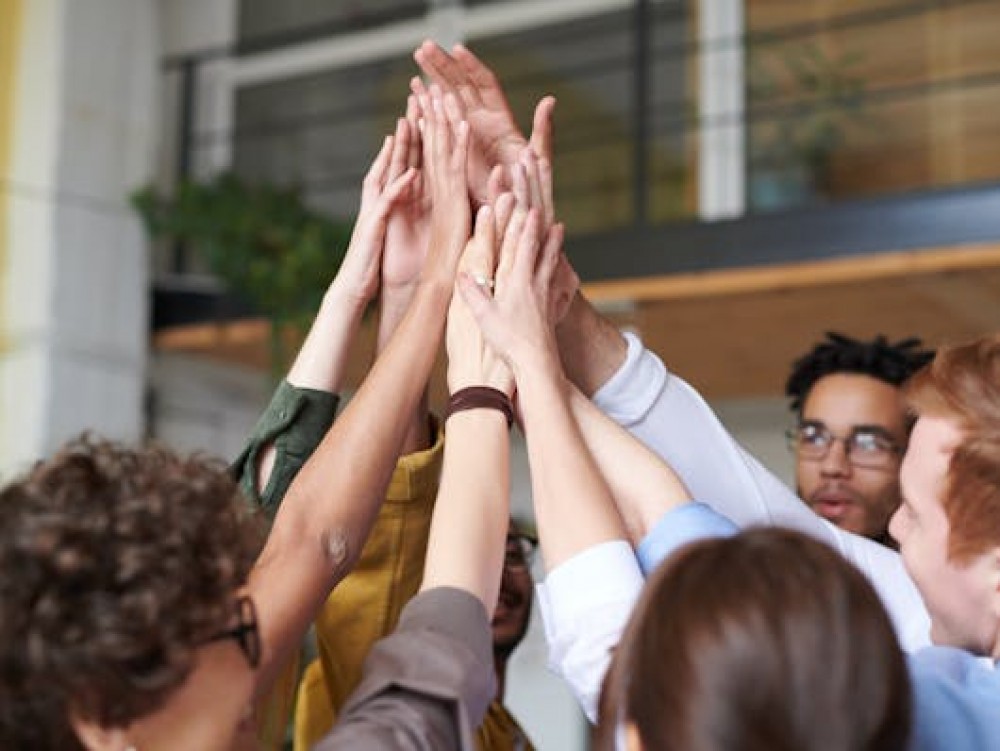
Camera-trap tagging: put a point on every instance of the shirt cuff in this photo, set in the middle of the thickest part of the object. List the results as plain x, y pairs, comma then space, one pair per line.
632, 391
299, 418
684, 524
606, 571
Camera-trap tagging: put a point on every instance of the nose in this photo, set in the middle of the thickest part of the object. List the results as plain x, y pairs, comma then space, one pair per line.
836, 463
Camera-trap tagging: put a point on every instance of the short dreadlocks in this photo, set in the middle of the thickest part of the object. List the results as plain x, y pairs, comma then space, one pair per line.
878, 358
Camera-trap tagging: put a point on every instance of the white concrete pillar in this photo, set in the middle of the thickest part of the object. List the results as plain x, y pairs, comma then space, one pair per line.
721, 95
81, 126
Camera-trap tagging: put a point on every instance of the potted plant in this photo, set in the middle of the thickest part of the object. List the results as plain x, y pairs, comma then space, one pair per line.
262, 241
802, 104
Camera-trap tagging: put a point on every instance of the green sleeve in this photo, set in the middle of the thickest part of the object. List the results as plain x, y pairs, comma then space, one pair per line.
295, 421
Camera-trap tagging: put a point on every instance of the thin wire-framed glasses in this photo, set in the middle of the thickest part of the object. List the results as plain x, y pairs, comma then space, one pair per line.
865, 446
246, 632
520, 550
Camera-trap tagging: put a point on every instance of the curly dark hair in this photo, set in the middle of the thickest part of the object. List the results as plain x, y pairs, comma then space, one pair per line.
878, 358
118, 563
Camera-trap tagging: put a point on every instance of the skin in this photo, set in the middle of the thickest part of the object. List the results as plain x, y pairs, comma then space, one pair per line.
857, 499
962, 597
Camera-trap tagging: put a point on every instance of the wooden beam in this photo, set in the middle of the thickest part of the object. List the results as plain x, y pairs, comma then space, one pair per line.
796, 276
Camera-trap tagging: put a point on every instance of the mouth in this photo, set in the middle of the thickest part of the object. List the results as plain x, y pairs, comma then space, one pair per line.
832, 505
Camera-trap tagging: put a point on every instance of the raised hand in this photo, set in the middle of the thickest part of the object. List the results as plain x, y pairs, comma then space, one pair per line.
496, 137
408, 229
445, 137
386, 184
516, 321
471, 361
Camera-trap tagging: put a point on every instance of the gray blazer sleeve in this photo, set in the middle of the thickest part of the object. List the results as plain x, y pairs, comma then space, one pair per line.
426, 685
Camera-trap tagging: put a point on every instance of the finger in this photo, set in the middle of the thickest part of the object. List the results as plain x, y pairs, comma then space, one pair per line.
453, 110
418, 87
397, 188
503, 209
446, 72
548, 257
541, 128
435, 63
460, 151
479, 259
414, 153
400, 149
376, 173
548, 199
494, 184
522, 193
526, 253
534, 180
478, 76
478, 299
508, 246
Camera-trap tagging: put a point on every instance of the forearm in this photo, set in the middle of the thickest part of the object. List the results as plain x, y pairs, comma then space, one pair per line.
392, 309
469, 525
590, 346
322, 360
573, 506
643, 486
328, 512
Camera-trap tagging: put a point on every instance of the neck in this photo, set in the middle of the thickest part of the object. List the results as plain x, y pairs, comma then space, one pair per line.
500, 666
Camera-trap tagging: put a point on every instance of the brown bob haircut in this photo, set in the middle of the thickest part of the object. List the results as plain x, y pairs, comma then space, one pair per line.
117, 565
766, 641
962, 385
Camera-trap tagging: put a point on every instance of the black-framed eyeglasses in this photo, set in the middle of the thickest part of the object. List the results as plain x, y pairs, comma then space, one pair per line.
520, 550
865, 446
246, 632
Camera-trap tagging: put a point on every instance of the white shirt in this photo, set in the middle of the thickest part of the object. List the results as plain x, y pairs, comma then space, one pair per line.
586, 601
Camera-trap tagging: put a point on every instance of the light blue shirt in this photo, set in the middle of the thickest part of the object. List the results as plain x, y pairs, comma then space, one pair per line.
956, 694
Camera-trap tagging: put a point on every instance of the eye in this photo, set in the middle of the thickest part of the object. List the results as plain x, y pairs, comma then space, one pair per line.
813, 435
870, 442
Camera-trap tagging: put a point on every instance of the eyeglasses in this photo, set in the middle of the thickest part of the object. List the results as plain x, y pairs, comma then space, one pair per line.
520, 550
865, 446
246, 632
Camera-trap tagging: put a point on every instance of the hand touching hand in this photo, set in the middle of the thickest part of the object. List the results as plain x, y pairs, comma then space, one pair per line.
408, 229
445, 139
385, 185
495, 135
516, 320
471, 362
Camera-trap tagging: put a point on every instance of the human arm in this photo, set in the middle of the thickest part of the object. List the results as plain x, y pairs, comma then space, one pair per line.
670, 417
319, 530
405, 250
304, 404
422, 705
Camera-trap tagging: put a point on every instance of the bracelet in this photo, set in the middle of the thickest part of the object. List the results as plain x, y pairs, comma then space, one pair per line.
480, 397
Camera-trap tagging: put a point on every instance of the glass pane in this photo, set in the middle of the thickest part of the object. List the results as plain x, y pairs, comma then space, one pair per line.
586, 64
855, 99
320, 132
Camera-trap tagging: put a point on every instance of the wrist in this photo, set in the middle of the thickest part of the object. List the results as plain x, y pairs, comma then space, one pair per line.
480, 399
346, 298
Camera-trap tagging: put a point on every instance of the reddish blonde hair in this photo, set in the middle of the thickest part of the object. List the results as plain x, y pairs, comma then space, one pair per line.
962, 385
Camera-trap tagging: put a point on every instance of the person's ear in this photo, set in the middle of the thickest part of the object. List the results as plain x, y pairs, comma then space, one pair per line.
97, 737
